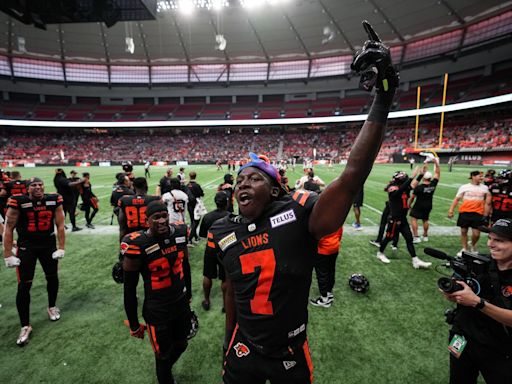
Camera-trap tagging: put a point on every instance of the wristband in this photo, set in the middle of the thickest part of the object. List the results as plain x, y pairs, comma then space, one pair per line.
481, 304
419, 177
380, 107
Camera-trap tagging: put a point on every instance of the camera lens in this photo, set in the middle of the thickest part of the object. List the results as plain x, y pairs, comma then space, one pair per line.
445, 284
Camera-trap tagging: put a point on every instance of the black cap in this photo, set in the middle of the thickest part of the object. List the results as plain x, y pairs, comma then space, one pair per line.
154, 207
73, 172
502, 228
221, 198
474, 173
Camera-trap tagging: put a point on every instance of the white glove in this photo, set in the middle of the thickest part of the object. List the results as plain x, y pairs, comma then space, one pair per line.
12, 261
58, 254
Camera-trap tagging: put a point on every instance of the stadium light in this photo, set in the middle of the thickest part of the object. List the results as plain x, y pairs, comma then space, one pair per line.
186, 7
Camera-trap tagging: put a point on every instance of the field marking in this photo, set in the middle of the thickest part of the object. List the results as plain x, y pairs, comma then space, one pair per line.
372, 208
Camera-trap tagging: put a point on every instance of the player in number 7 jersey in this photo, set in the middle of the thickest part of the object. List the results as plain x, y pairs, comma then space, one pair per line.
268, 249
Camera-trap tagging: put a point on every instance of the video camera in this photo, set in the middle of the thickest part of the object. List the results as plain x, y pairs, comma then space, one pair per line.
465, 268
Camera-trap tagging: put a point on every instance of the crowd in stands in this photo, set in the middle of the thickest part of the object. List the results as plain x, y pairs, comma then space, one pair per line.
171, 145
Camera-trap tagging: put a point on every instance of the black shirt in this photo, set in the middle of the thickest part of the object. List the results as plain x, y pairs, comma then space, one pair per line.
162, 270
424, 194
134, 209
398, 199
209, 219
270, 262
117, 192
475, 325
36, 220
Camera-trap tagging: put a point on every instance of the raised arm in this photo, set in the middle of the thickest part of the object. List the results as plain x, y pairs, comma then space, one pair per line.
333, 205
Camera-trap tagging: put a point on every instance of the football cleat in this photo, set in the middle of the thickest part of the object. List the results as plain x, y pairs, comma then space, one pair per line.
54, 313
322, 301
382, 257
206, 305
417, 263
375, 243
24, 335
194, 325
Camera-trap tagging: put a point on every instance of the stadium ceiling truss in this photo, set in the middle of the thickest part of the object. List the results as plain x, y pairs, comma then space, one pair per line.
298, 39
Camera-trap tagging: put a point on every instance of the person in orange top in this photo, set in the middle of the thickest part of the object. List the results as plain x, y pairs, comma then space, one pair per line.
325, 268
474, 210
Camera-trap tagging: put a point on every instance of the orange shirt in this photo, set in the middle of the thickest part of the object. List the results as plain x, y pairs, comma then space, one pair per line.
473, 198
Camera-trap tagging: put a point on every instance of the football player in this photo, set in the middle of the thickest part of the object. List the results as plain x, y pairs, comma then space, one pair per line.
211, 265
398, 196
157, 254
268, 249
34, 216
65, 187
227, 187
501, 192
132, 208
176, 201
16, 186
122, 187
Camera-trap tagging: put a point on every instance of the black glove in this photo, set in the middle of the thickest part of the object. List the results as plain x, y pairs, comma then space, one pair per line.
373, 61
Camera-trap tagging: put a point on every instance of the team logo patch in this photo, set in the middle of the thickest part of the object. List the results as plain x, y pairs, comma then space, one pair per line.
506, 291
153, 248
124, 248
51, 203
26, 205
289, 364
241, 350
227, 241
181, 239
283, 218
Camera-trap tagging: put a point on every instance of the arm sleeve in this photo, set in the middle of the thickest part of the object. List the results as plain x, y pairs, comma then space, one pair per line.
131, 279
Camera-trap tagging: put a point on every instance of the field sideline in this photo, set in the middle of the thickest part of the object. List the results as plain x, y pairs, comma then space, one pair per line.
393, 334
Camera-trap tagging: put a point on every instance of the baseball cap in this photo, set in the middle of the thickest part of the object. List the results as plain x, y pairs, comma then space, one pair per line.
220, 198
73, 172
427, 175
502, 228
474, 173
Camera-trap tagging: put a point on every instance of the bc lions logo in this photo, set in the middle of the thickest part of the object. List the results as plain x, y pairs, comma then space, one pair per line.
241, 349
506, 291
124, 248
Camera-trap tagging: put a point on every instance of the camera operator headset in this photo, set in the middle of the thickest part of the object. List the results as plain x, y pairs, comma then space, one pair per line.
481, 335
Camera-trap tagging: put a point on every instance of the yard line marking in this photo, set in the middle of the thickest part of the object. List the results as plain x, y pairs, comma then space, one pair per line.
372, 209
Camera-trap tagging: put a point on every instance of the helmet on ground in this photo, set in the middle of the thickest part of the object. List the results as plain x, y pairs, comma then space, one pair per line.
194, 325
117, 273
358, 283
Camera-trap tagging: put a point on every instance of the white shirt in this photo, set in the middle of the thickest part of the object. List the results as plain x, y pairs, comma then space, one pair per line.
177, 202
299, 184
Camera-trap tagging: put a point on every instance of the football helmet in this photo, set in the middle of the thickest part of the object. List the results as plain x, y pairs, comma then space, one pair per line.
505, 176
127, 166
359, 283
117, 272
399, 177
194, 325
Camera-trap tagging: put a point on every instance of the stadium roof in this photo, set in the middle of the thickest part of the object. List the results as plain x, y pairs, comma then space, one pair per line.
276, 31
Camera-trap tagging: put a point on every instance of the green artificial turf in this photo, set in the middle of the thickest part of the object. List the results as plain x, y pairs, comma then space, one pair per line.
395, 333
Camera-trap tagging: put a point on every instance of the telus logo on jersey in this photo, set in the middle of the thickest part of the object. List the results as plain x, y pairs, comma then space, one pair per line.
283, 218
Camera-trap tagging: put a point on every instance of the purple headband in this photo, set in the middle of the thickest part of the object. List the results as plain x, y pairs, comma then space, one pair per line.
263, 166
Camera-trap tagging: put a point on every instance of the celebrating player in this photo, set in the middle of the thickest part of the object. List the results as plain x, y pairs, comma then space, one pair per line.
268, 249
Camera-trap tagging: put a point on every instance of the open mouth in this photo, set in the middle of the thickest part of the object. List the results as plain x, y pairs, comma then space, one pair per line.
244, 199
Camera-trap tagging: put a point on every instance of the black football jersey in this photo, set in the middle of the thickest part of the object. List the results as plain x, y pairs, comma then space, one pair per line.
269, 262
117, 192
36, 219
399, 199
162, 269
134, 209
16, 187
501, 201
424, 195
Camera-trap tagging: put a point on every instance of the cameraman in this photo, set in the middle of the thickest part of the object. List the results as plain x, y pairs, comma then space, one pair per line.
481, 335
